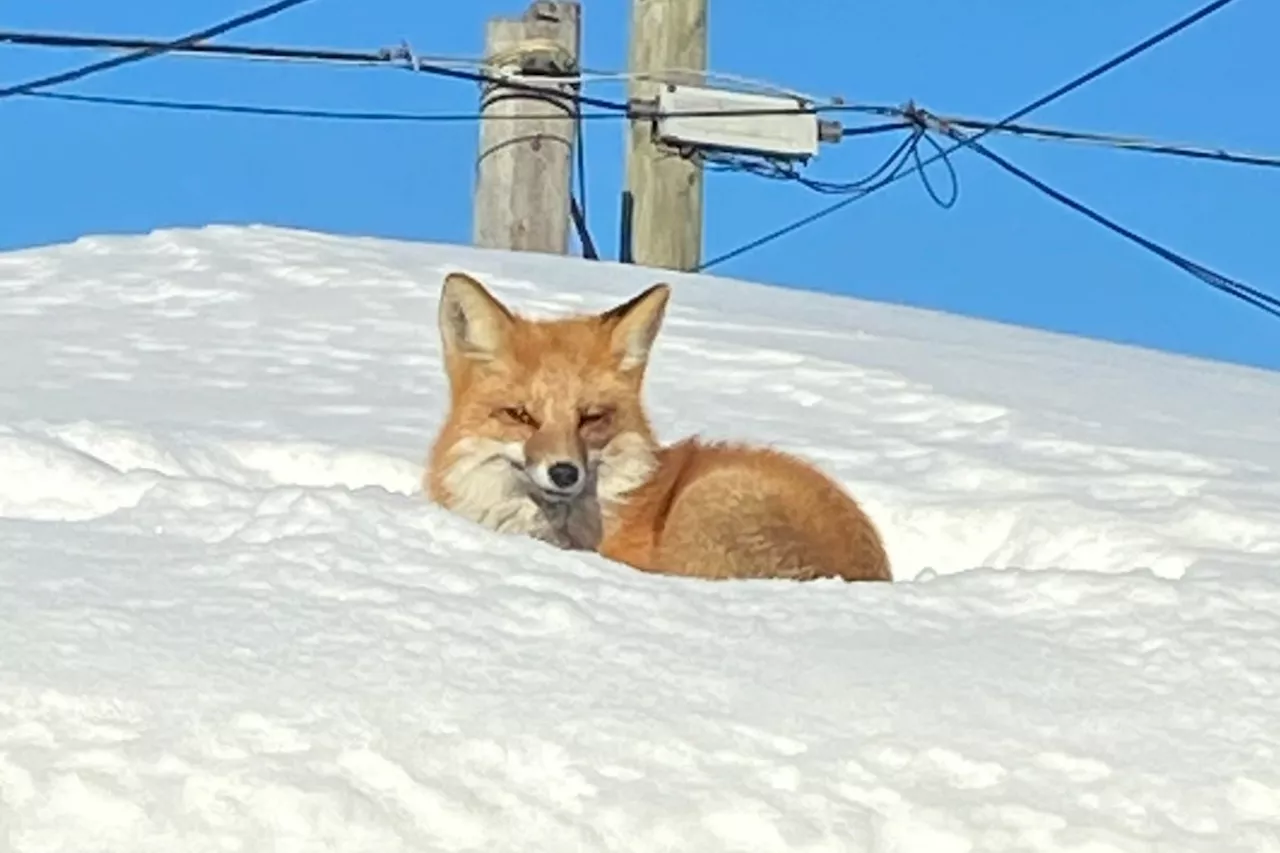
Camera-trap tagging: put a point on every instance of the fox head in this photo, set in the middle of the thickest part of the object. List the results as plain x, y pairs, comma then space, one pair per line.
546, 427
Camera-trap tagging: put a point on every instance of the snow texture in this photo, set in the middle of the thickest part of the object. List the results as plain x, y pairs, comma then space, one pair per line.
232, 622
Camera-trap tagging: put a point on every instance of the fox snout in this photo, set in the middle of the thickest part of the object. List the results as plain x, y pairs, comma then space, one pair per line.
556, 465
557, 478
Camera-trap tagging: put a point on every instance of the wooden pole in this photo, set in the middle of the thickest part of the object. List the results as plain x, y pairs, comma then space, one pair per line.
524, 167
666, 189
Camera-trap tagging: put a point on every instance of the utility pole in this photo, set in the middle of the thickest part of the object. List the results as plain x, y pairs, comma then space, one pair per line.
666, 189
523, 171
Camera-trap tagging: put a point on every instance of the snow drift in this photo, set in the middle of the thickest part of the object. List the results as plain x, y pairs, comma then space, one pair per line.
231, 622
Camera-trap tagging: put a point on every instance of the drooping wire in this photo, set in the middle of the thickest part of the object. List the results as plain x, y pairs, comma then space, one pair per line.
254, 110
1073, 84
1127, 143
1257, 298
294, 112
870, 129
666, 75
1110, 140
578, 201
892, 169
155, 50
904, 159
894, 164
805, 104
401, 56
581, 156
223, 50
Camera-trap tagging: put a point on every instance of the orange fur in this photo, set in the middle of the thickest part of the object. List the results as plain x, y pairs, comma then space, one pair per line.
528, 394
723, 511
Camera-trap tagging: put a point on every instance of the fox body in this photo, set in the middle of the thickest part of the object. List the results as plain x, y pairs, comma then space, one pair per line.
547, 436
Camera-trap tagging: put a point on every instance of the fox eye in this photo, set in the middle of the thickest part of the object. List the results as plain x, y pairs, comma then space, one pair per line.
594, 417
519, 415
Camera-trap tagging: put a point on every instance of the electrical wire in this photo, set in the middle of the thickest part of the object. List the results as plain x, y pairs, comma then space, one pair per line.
513, 83
894, 166
907, 150
806, 103
578, 204
1129, 143
154, 50
665, 75
292, 112
402, 55
1093, 73
892, 169
696, 77
1124, 143
581, 154
868, 129
904, 159
231, 51
1257, 298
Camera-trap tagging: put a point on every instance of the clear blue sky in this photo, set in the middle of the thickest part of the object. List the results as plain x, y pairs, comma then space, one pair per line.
1003, 252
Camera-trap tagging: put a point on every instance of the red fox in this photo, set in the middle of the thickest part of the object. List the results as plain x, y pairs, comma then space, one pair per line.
546, 436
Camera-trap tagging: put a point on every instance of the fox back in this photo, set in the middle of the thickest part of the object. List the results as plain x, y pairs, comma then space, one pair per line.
722, 511
545, 427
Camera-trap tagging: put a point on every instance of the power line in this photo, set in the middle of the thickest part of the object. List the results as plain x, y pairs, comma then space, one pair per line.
618, 112
472, 70
402, 55
434, 63
578, 201
1072, 85
233, 51
870, 129
896, 163
1129, 143
1124, 143
467, 68
389, 56
146, 52
890, 171
672, 75
586, 75
1258, 298
290, 112
512, 83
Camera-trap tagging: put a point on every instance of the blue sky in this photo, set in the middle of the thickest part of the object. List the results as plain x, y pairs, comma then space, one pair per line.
1004, 251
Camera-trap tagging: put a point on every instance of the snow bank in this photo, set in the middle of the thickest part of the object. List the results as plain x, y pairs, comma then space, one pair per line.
232, 623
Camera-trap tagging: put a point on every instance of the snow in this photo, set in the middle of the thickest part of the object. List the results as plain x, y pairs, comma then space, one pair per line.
232, 623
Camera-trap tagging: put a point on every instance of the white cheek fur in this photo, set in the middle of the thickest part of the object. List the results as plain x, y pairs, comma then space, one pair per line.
487, 484
622, 466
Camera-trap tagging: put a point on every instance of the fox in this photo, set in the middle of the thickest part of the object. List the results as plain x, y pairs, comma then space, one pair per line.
546, 435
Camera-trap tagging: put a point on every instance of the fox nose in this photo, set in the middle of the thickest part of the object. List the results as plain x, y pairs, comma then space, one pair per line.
564, 475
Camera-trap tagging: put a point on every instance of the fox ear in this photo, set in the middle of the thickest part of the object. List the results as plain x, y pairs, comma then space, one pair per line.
473, 323
635, 325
